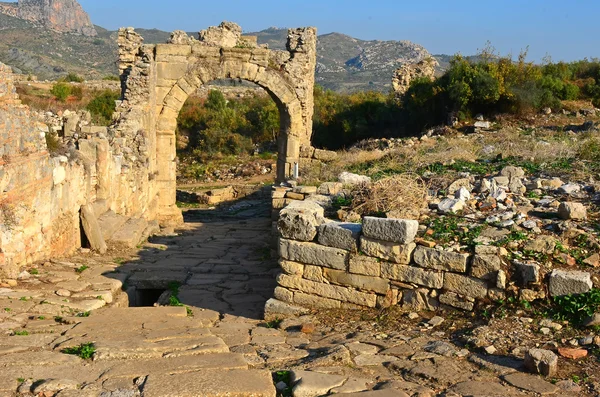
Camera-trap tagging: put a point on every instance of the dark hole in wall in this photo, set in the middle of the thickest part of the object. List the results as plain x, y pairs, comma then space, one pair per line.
85, 243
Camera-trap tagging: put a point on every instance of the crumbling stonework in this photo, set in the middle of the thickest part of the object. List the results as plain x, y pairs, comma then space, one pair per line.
406, 74
66, 16
157, 80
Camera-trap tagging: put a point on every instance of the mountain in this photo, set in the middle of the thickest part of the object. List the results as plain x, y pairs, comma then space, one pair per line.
65, 16
344, 63
347, 64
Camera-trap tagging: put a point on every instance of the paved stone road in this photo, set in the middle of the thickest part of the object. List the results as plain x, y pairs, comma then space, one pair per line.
219, 267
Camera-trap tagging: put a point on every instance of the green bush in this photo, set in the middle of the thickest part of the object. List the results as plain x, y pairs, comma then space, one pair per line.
102, 106
61, 91
111, 78
72, 78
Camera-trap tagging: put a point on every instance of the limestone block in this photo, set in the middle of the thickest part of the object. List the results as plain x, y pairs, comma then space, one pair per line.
327, 291
400, 231
540, 361
365, 265
452, 299
92, 228
297, 224
398, 253
315, 301
569, 282
284, 295
59, 174
170, 71
330, 188
173, 49
465, 285
417, 300
292, 268
325, 155
486, 267
411, 274
276, 309
568, 210
365, 283
313, 254
526, 273
314, 273
307, 206
441, 260
340, 235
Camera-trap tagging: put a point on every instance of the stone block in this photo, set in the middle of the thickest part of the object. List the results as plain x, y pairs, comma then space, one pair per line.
284, 295
314, 273
292, 268
340, 235
418, 300
569, 282
330, 188
411, 274
308, 207
400, 231
568, 210
365, 265
315, 301
365, 283
313, 254
398, 253
526, 273
540, 361
92, 230
297, 224
335, 292
325, 155
452, 299
465, 285
486, 267
276, 309
431, 258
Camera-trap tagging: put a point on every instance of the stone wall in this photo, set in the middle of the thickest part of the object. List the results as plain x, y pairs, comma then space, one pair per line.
381, 262
41, 194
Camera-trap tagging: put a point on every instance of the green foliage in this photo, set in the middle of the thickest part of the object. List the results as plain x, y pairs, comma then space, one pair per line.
72, 78
61, 91
21, 333
273, 323
340, 120
218, 126
81, 269
285, 377
575, 308
85, 350
341, 201
447, 229
513, 236
497, 84
102, 106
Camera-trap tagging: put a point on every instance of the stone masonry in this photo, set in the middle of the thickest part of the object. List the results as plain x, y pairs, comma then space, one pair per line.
157, 80
379, 263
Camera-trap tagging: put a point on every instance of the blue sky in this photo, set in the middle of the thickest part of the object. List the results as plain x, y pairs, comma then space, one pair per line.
567, 30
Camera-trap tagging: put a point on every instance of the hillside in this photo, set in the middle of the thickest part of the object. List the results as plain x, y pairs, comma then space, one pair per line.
344, 64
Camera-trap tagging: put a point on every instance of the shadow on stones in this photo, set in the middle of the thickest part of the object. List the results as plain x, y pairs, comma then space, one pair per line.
220, 262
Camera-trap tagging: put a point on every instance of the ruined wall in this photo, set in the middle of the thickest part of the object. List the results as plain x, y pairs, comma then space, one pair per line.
380, 263
39, 195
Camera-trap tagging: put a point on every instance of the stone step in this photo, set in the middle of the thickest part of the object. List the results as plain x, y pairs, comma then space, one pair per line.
129, 235
110, 222
211, 383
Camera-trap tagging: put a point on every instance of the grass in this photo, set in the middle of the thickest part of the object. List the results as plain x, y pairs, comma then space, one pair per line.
85, 350
174, 298
447, 229
273, 323
82, 268
21, 333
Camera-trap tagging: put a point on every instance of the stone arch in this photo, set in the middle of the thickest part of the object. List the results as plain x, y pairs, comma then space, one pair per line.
158, 79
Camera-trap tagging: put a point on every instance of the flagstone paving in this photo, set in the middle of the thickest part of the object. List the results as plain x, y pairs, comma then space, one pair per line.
218, 267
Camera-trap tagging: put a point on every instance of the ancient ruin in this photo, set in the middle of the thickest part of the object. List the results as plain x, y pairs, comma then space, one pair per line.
121, 181
408, 73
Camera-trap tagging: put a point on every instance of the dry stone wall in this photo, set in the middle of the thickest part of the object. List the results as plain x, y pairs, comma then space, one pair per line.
381, 262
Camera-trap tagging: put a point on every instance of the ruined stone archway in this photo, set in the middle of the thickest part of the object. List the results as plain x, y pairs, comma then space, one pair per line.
158, 79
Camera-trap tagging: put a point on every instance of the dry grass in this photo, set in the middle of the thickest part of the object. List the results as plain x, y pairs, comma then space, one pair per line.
402, 196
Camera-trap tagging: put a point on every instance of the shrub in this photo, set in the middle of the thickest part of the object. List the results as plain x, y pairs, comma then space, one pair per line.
102, 106
111, 78
61, 91
72, 78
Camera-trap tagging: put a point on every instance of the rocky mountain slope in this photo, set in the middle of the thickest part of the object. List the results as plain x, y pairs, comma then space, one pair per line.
344, 63
65, 16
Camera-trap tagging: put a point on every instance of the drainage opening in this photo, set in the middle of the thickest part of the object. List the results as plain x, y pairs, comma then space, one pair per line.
144, 297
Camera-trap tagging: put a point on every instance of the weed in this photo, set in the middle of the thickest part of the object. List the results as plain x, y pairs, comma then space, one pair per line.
85, 350
83, 314
34, 272
41, 318
447, 229
339, 202
513, 236
23, 298
274, 323
21, 333
7, 309
82, 268
20, 380
119, 261
575, 308
285, 377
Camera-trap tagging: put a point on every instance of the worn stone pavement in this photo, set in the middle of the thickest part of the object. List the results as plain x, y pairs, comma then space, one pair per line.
219, 267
